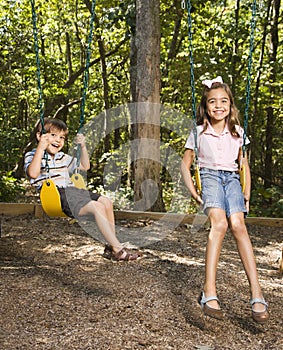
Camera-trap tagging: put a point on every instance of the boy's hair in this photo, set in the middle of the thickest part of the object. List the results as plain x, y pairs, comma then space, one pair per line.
233, 117
52, 123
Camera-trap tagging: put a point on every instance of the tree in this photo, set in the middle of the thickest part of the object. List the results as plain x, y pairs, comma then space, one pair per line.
147, 185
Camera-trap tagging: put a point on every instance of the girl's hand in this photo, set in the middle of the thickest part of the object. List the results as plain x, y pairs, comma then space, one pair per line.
80, 139
247, 203
199, 200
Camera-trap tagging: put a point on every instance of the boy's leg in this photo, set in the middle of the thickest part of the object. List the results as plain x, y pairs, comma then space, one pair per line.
104, 219
217, 233
108, 205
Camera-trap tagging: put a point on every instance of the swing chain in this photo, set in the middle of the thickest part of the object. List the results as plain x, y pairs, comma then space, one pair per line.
192, 76
38, 74
248, 88
86, 77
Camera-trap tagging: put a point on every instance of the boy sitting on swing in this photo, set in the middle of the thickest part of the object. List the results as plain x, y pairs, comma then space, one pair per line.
75, 202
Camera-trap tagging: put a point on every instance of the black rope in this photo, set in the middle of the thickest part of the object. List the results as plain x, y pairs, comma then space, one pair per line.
248, 85
192, 76
38, 74
86, 77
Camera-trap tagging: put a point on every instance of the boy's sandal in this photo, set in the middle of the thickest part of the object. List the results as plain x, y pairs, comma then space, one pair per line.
123, 255
210, 311
260, 316
108, 251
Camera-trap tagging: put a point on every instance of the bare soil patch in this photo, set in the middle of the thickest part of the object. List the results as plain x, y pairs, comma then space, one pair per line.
58, 292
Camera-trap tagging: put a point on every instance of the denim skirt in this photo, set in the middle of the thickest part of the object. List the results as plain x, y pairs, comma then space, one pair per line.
222, 189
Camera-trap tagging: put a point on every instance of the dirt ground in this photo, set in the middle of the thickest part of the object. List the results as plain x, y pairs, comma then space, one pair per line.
58, 292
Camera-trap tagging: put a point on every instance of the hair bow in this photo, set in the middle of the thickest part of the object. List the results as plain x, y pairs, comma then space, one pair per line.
208, 83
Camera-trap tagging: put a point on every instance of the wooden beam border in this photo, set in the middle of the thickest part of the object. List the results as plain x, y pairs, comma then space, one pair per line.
15, 209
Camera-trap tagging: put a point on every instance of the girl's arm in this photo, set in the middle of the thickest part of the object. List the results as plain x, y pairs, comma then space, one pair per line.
187, 176
247, 192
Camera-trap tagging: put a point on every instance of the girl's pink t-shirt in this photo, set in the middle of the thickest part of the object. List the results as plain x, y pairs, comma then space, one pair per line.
217, 151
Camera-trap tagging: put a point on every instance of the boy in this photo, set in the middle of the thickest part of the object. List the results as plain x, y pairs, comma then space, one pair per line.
75, 202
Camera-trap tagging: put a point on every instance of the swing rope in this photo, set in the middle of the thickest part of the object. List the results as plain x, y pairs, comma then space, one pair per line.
192, 82
38, 74
192, 76
85, 77
49, 195
248, 85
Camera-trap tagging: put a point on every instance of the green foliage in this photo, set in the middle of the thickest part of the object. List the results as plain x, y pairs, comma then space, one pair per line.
221, 47
267, 202
10, 188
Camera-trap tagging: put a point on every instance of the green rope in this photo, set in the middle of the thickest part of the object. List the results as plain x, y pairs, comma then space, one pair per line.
86, 77
192, 76
39, 87
248, 85
248, 90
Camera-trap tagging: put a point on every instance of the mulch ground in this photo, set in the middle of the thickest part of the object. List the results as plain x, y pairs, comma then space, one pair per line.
58, 292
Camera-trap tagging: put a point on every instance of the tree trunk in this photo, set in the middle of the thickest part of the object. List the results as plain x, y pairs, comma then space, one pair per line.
147, 186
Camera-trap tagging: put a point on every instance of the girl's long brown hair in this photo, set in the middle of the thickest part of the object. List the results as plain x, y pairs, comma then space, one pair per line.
233, 117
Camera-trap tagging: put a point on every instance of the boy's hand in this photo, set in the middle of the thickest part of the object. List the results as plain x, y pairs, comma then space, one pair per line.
43, 142
80, 139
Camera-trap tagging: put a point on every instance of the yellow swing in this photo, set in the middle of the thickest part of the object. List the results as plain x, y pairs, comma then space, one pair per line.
50, 197
49, 194
198, 180
242, 172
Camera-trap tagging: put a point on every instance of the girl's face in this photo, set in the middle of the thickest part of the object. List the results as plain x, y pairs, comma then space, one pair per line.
218, 104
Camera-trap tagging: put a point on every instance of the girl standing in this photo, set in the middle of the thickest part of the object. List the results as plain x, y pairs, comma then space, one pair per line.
219, 150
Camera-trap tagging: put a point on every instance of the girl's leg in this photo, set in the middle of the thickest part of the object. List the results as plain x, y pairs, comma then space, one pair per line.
245, 249
217, 233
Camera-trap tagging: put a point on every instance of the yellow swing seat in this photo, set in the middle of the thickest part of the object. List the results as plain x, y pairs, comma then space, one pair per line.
50, 197
242, 172
78, 181
198, 180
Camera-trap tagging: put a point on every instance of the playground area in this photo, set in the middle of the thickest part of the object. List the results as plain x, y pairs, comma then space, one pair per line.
58, 292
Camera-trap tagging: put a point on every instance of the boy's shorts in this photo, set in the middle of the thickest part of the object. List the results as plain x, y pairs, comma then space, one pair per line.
74, 199
222, 189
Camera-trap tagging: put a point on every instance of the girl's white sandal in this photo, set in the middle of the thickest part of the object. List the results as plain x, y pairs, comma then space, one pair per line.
260, 316
210, 311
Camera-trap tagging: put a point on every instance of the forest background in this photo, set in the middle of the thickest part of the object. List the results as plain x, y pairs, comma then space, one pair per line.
221, 39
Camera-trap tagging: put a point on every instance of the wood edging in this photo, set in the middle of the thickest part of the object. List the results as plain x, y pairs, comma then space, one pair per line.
15, 209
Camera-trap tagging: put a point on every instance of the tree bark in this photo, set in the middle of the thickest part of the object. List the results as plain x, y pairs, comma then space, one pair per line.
147, 186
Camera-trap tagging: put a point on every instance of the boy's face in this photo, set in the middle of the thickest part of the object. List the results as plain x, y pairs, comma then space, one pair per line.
56, 140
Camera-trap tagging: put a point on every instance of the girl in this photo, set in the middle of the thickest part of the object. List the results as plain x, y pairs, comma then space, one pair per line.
219, 148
